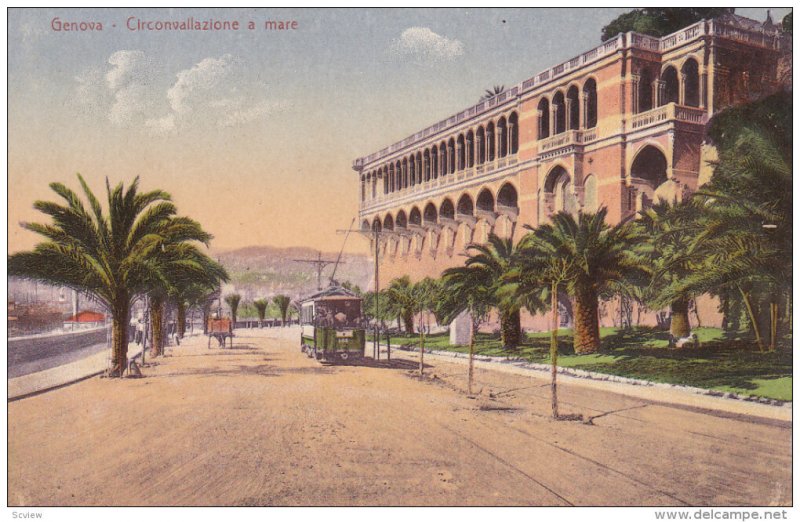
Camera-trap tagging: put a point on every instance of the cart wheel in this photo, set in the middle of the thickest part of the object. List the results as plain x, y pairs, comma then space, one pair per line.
343, 356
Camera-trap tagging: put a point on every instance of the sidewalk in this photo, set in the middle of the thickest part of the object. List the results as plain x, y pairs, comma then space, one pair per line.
37, 382
670, 394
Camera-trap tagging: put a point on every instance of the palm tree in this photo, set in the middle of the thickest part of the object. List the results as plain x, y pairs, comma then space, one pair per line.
540, 270
748, 207
261, 306
182, 268
491, 93
667, 232
492, 262
107, 254
282, 302
599, 256
401, 298
233, 302
463, 289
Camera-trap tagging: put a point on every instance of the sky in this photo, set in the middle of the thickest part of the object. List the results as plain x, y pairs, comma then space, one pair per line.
253, 132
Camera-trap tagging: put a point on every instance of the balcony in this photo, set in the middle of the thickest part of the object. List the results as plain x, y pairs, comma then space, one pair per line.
669, 112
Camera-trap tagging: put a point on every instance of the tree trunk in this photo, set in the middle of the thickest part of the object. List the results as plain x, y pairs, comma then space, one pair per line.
157, 320
753, 319
510, 330
773, 326
119, 340
181, 319
421, 345
471, 371
679, 324
554, 350
408, 320
206, 313
587, 329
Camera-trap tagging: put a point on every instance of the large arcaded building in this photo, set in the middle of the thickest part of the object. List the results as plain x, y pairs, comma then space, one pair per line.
616, 126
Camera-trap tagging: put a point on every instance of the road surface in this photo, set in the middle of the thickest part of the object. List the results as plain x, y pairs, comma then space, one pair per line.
261, 424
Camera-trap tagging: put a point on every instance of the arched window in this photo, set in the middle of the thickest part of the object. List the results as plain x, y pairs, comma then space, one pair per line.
481, 137
405, 172
648, 173
376, 225
426, 161
418, 167
363, 191
691, 83
430, 217
558, 192
451, 156
388, 222
513, 132
470, 149
590, 103
385, 176
443, 158
590, 193
365, 225
671, 89
645, 91
559, 106
461, 148
374, 178
574, 111
465, 207
412, 170
490, 142
502, 135
391, 178
398, 176
544, 118
435, 161
507, 196
446, 210
650, 166
415, 217
401, 222
485, 201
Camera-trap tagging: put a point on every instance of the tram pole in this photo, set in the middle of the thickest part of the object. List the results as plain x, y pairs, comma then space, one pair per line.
376, 337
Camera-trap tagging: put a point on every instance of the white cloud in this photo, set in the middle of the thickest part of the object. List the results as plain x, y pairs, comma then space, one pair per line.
424, 44
208, 75
215, 91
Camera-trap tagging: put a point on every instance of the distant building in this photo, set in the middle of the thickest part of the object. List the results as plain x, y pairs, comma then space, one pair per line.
85, 319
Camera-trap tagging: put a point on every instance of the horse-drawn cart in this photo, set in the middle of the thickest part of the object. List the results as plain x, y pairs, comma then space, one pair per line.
220, 329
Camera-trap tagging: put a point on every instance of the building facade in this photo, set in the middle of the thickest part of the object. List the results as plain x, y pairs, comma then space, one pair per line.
618, 126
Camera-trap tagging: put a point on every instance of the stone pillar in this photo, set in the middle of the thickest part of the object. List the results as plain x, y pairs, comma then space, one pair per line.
509, 141
635, 93
584, 111
658, 93
567, 114
681, 88
670, 153
498, 141
459, 166
702, 90
553, 120
461, 329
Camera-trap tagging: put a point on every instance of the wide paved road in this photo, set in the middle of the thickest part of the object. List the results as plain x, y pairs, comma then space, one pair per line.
263, 425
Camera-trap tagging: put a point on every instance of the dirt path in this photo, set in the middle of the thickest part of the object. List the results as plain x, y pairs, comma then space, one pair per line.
263, 425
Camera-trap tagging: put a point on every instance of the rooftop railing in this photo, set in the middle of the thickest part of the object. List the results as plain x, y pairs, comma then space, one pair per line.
721, 28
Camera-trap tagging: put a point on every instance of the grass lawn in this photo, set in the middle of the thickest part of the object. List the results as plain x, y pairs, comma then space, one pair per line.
723, 362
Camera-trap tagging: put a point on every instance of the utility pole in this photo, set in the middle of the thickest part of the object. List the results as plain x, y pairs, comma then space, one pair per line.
376, 233
320, 264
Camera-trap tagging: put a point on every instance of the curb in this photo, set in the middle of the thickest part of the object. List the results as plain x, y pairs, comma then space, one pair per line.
595, 376
50, 386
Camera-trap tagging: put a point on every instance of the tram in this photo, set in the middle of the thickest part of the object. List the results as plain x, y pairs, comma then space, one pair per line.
332, 326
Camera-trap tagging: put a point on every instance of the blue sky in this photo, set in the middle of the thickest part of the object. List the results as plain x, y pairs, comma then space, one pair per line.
253, 132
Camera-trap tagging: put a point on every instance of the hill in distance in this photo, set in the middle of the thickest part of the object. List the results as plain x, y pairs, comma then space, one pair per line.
265, 271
